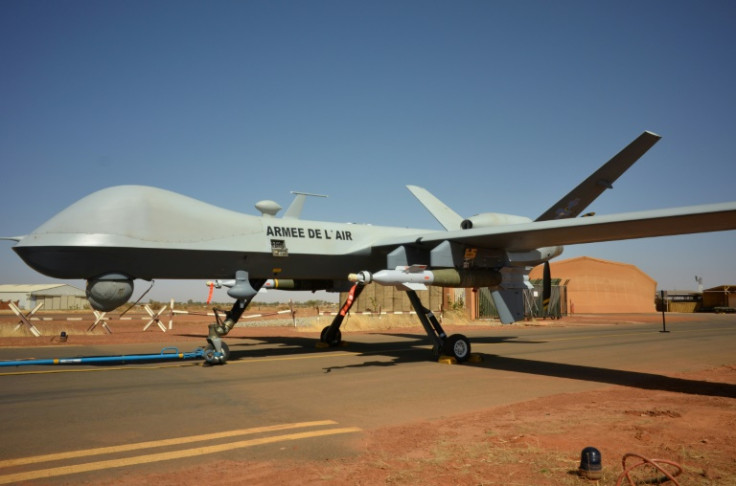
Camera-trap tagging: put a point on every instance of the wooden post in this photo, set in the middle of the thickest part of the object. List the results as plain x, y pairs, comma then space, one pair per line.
664, 323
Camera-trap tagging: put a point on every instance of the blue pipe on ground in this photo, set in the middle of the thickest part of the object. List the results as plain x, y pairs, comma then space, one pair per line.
166, 354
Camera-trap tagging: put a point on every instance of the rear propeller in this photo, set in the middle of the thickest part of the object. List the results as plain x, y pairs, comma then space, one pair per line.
546, 289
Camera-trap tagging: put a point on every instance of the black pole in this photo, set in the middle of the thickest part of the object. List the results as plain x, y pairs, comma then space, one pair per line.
664, 307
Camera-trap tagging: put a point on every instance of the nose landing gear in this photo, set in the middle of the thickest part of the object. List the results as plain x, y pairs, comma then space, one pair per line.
217, 351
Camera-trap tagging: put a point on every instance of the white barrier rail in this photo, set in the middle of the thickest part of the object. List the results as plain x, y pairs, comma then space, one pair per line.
156, 317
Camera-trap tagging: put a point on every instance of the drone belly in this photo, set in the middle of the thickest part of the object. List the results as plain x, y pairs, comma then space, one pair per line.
320, 266
90, 255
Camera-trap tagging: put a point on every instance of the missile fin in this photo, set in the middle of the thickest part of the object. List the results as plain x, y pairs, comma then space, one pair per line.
411, 286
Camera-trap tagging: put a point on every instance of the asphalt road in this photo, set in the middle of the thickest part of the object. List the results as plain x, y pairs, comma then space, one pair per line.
283, 398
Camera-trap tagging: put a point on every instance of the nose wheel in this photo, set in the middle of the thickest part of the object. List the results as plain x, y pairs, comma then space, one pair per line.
213, 356
243, 289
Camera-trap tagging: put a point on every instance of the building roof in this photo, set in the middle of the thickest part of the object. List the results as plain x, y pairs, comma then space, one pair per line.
31, 288
722, 288
578, 263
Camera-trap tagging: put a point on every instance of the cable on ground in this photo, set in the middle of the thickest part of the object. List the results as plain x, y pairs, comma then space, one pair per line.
655, 463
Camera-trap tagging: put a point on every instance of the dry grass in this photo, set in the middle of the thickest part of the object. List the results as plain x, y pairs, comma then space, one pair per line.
47, 329
483, 462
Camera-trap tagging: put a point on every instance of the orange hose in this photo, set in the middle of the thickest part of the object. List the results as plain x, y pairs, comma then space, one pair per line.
655, 463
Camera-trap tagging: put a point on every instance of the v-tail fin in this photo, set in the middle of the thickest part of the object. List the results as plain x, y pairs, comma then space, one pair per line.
448, 218
587, 191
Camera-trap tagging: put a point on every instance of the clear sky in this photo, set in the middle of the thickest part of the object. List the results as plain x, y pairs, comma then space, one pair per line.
491, 105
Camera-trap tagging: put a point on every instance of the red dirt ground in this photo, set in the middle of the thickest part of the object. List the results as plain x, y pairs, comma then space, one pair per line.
531, 443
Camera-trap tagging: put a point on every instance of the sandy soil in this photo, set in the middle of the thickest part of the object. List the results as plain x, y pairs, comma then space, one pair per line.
531, 443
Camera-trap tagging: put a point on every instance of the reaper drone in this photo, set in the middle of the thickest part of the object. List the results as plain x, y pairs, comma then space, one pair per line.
119, 234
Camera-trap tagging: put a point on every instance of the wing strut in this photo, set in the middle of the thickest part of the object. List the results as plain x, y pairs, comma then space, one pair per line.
456, 346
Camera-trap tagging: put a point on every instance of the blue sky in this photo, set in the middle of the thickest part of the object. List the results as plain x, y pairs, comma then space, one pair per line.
491, 105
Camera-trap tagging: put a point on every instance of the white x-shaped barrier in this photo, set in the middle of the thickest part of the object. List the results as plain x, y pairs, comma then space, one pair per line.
26, 319
155, 317
100, 318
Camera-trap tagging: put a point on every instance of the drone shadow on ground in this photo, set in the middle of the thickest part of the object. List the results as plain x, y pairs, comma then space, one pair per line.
413, 348
635, 379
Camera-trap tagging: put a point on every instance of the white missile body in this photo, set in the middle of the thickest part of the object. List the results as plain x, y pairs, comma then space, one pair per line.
281, 284
417, 277
269, 284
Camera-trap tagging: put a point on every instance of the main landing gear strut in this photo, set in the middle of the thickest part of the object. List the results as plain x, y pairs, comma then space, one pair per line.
456, 346
331, 334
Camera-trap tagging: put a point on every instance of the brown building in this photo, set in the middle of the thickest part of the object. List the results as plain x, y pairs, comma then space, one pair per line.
602, 287
723, 296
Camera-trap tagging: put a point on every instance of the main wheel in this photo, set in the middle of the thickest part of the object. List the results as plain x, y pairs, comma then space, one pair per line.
336, 339
458, 346
436, 352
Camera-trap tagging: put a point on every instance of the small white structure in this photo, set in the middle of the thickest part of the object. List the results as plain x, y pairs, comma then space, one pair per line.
53, 296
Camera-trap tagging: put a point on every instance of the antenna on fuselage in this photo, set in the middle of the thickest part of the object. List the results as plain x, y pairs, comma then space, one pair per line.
268, 208
295, 209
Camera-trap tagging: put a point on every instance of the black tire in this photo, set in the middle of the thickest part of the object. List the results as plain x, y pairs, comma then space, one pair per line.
458, 346
225, 353
209, 354
336, 340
